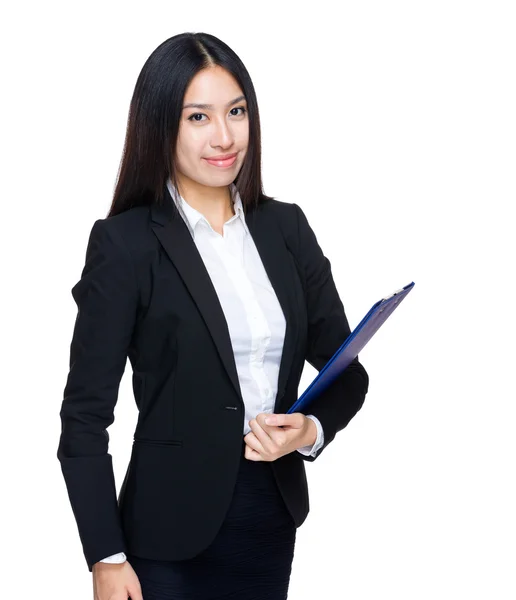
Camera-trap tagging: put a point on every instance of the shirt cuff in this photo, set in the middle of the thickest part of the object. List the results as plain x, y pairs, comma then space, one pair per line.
117, 558
319, 442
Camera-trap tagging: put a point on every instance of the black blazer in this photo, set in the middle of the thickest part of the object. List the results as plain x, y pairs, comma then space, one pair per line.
145, 294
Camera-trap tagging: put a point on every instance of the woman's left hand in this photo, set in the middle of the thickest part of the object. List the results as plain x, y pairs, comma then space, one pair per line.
286, 433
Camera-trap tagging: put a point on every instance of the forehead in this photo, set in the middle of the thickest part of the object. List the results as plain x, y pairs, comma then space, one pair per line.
213, 85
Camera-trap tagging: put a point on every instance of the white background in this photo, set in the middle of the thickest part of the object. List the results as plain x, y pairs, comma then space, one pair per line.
393, 125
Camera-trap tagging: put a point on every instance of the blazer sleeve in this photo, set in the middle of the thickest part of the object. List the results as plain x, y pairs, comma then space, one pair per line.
327, 329
107, 298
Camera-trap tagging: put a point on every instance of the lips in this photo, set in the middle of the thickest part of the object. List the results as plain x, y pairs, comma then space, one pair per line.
223, 160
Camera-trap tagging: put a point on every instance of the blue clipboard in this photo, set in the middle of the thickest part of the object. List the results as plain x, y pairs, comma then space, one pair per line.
351, 347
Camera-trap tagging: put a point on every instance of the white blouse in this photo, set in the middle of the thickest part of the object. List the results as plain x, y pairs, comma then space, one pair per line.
253, 314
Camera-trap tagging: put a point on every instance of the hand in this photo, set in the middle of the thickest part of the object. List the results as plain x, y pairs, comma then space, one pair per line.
284, 434
115, 582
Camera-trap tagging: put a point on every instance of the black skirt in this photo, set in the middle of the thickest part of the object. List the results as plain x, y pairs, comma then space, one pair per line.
250, 557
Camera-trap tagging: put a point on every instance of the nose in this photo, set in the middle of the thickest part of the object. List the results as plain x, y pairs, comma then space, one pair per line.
222, 134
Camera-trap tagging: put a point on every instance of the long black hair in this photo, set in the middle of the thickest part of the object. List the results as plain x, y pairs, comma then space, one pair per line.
154, 117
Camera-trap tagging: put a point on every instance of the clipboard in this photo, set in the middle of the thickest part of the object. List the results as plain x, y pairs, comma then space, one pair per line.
351, 347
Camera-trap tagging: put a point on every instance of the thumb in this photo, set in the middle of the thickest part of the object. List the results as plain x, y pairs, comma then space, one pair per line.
292, 420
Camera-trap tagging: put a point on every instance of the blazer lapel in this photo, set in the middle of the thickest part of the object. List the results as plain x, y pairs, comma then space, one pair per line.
172, 232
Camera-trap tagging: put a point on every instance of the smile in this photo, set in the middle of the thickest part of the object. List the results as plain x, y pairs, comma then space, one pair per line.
227, 162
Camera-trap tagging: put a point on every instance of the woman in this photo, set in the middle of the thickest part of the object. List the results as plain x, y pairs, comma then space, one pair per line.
218, 294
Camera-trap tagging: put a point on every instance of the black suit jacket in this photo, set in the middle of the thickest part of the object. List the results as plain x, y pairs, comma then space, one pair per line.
145, 294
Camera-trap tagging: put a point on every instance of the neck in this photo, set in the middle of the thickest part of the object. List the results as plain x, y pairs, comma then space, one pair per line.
214, 203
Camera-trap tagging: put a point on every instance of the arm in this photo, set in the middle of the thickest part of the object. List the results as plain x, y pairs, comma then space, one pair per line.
327, 329
106, 297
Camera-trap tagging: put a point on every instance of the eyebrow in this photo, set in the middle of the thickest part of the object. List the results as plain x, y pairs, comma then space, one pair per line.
210, 106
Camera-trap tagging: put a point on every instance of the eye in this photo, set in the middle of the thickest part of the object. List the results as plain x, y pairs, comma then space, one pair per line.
193, 117
239, 108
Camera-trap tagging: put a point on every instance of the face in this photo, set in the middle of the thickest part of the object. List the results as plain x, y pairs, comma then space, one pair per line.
219, 128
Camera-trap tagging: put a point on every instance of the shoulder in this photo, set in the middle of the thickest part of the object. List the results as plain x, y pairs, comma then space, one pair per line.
128, 229
284, 213
297, 232
291, 219
132, 221
277, 207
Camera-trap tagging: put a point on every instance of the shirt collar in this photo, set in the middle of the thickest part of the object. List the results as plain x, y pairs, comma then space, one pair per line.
192, 216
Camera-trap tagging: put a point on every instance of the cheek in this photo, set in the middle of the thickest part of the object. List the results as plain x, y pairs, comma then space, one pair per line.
189, 150
242, 134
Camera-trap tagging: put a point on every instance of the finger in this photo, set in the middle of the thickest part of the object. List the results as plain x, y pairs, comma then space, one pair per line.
295, 420
135, 589
262, 436
251, 454
273, 439
260, 417
252, 441
135, 593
